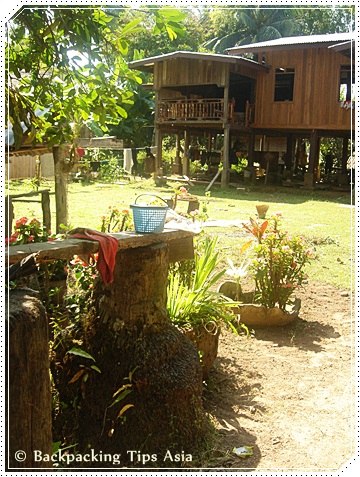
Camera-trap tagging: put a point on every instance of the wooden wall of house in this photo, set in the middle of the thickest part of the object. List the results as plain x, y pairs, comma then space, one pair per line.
315, 102
187, 72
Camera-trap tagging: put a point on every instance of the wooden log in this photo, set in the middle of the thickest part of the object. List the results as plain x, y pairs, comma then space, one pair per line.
29, 397
134, 334
29, 194
61, 167
9, 216
45, 204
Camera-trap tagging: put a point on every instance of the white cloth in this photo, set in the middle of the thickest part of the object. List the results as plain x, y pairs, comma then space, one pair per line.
128, 161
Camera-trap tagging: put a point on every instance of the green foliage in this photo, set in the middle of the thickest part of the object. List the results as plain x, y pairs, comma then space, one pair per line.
193, 304
322, 20
249, 25
67, 67
147, 44
111, 170
279, 263
230, 26
240, 166
81, 277
116, 221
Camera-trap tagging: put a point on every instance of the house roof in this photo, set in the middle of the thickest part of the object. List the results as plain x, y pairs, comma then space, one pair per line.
147, 64
292, 42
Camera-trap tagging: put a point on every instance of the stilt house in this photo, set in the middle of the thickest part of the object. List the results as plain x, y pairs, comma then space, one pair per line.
268, 97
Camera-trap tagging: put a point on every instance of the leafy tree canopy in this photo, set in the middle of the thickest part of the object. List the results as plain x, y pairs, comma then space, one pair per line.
234, 25
67, 67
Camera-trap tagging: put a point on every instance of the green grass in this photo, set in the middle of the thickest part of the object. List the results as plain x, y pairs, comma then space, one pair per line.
326, 219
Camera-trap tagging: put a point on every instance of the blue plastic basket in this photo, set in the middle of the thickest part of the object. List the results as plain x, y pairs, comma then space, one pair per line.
149, 218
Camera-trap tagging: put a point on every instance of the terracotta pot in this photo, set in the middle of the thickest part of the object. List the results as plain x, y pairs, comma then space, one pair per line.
261, 210
207, 344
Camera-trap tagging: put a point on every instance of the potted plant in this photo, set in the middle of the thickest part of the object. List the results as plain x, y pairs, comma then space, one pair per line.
196, 309
278, 268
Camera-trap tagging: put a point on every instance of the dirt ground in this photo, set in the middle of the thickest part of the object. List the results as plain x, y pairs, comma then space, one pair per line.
288, 392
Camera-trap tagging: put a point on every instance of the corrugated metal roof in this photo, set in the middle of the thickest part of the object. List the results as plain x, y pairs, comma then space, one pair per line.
331, 38
147, 63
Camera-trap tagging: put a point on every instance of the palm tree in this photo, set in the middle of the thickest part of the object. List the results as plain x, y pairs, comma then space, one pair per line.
252, 25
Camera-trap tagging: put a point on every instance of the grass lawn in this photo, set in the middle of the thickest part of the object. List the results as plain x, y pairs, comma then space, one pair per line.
326, 219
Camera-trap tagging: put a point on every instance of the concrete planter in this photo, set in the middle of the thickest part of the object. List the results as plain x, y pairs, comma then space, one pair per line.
255, 315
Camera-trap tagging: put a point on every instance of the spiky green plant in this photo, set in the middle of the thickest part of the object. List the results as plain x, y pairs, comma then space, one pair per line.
196, 305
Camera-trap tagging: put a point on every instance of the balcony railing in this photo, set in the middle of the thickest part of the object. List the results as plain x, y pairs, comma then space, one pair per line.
191, 109
208, 109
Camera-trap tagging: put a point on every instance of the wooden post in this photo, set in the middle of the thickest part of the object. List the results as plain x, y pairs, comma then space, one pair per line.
345, 155
225, 176
186, 165
29, 397
62, 170
251, 145
45, 204
158, 139
309, 176
314, 151
9, 216
177, 167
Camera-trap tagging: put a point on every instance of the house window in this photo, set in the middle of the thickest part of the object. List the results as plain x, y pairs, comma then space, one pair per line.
284, 84
347, 83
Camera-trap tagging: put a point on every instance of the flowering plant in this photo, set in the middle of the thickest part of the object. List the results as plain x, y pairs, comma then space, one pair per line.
279, 262
116, 221
82, 275
27, 231
238, 273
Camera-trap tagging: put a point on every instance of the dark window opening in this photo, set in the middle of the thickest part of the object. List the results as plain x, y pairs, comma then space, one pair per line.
284, 84
347, 83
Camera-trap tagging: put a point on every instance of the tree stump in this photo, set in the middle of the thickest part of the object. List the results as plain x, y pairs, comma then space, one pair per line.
29, 397
133, 336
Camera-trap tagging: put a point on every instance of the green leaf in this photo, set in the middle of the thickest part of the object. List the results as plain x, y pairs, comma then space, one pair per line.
80, 352
171, 33
120, 397
131, 27
95, 368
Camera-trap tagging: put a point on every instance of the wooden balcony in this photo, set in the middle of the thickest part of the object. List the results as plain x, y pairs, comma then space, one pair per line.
191, 110
207, 109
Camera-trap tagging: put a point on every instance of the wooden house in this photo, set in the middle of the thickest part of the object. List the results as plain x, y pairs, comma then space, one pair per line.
293, 89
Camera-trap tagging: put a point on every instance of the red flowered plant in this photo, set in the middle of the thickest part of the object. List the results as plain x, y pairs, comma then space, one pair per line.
116, 221
27, 231
81, 279
279, 262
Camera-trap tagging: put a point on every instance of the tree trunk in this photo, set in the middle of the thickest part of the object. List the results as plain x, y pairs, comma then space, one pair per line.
62, 170
29, 397
133, 336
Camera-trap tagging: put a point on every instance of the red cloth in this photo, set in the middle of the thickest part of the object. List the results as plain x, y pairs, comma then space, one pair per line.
108, 246
80, 152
